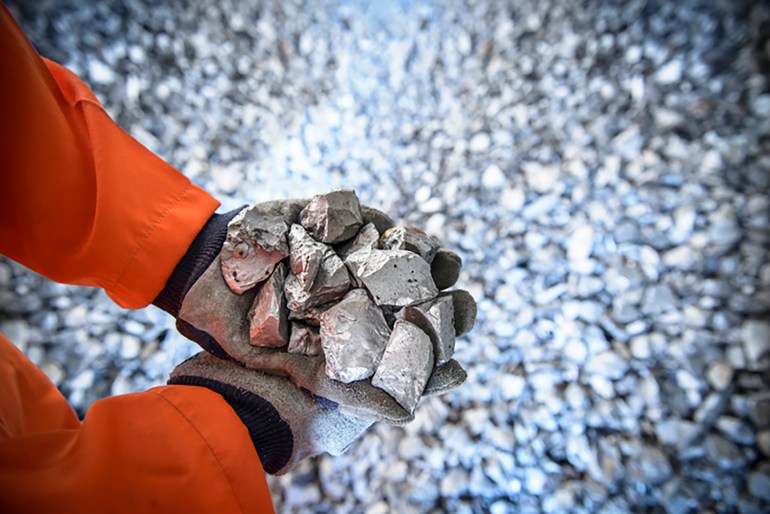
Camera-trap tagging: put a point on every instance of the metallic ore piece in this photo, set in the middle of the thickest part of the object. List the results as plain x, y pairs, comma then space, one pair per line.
410, 238
435, 318
268, 318
311, 315
256, 240
305, 340
366, 239
332, 217
395, 278
353, 337
406, 365
331, 283
305, 255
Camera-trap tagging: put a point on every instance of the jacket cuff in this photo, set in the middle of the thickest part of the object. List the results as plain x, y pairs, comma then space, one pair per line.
203, 250
270, 434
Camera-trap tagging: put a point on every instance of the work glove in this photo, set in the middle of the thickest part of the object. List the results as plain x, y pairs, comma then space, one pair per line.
286, 423
211, 314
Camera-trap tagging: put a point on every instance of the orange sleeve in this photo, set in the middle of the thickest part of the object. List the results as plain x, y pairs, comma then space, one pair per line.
81, 201
170, 449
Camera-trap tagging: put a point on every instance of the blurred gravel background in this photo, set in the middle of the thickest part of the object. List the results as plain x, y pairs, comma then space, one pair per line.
602, 166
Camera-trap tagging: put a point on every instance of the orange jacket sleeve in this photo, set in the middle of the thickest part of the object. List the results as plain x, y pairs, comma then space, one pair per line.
81, 201
169, 449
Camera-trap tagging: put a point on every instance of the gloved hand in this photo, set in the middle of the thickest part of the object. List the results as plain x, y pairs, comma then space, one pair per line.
285, 422
211, 314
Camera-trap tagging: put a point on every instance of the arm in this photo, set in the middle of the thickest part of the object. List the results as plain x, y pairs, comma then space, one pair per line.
81, 201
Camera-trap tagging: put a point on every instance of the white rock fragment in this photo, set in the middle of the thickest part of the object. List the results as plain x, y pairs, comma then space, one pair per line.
305, 340
268, 318
305, 255
756, 342
435, 318
411, 239
406, 365
256, 241
396, 278
331, 283
332, 217
353, 337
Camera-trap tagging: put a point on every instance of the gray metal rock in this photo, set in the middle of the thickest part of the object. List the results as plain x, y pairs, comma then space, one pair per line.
305, 340
353, 336
256, 241
331, 283
435, 318
268, 317
367, 239
333, 217
409, 238
406, 365
395, 278
305, 255
311, 315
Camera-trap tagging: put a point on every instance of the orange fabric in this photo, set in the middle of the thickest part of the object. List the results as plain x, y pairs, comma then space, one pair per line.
170, 449
81, 201
84, 203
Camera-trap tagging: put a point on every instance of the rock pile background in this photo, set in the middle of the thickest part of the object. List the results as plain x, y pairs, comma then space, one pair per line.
602, 166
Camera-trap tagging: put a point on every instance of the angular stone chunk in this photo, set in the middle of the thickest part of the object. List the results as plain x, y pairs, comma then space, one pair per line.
353, 337
367, 239
256, 240
306, 255
435, 318
331, 283
332, 217
305, 340
395, 278
311, 315
406, 365
268, 317
410, 238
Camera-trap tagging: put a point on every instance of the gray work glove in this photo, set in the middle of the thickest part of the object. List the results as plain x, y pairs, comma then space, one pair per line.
214, 316
286, 423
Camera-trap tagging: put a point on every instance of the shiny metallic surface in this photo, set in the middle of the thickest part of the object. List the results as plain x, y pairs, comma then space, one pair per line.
333, 217
353, 337
268, 317
406, 365
331, 283
404, 237
435, 318
256, 241
395, 278
305, 255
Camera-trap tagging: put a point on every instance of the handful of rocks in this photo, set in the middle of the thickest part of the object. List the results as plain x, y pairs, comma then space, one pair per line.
330, 285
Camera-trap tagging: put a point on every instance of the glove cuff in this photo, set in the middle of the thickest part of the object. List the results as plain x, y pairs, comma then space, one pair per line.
270, 434
203, 250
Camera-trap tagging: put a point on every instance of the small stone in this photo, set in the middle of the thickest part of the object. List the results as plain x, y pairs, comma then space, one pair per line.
650, 466
658, 298
763, 442
669, 73
759, 485
723, 453
353, 336
479, 142
493, 177
608, 365
367, 239
736, 430
435, 318
331, 283
268, 318
406, 364
755, 335
100, 73
332, 217
305, 340
396, 278
719, 375
411, 239
256, 241
305, 255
